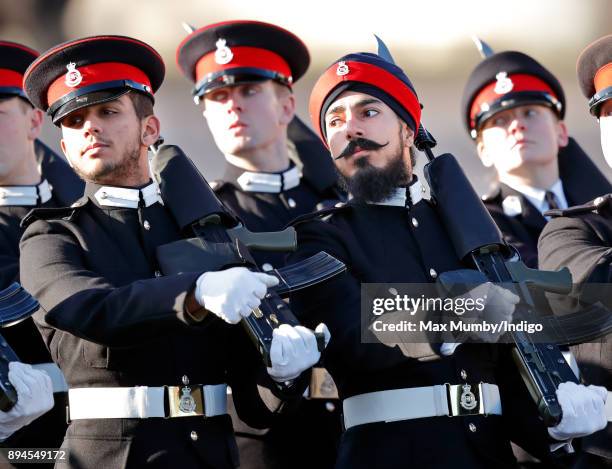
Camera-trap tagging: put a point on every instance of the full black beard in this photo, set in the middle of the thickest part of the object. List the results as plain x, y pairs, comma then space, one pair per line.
371, 184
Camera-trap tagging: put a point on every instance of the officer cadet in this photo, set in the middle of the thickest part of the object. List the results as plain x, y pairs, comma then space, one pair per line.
513, 108
395, 402
29, 174
147, 357
276, 169
580, 238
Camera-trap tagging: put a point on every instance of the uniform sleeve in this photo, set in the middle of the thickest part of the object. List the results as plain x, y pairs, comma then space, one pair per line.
337, 303
81, 302
9, 254
573, 243
257, 397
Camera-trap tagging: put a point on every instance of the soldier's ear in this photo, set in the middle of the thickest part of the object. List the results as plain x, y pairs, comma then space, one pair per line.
408, 134
483, 154
150, 130
36, 117
562, 134
288, 107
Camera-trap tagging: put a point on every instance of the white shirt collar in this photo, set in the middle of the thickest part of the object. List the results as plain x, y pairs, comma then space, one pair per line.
537, 196
250, 181
398, 198
25, 196
125, 197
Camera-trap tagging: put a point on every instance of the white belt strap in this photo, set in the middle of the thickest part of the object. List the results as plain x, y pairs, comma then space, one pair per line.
145, 402
57, 377
421, 402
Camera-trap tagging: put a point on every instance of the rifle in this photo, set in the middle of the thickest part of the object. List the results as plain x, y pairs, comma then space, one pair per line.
541, 365
216, 240
16, 304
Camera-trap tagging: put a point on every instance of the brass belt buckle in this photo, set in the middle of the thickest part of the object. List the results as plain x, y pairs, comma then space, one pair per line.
464, 399
185, 401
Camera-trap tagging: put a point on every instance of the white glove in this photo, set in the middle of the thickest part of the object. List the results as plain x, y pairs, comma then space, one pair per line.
34, 398
583, 410
294, 350
234, 293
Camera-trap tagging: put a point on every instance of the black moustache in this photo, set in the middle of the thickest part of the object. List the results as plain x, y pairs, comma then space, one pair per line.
363, 144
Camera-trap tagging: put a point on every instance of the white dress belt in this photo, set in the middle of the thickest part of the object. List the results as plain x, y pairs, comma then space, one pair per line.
421, 402
57, 377
141, 402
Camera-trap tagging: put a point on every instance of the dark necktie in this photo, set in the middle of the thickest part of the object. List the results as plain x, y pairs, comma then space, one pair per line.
551, 200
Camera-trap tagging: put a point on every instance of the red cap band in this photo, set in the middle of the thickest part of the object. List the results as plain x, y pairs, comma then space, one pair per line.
93, 74
10, 78
364, 73
243, 56
519, 82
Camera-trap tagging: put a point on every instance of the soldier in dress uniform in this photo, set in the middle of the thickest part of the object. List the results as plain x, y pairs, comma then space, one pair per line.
580, 238
395, 401
29, 175
513, 108
147, 357
276, 169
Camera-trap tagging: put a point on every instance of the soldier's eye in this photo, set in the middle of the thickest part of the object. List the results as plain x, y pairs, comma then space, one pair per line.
333, 122
217, 96
72, 121
249, 90
370, 112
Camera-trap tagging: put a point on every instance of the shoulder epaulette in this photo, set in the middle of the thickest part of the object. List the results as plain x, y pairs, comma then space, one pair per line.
54, 213
320, 214
597, 205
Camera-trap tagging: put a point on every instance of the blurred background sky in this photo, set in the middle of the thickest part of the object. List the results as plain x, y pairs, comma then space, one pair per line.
430, 39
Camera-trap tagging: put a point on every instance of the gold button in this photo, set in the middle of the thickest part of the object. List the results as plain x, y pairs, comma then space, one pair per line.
415, 222
433, 273
158, 273
330, 406
291, 203
147, 225
194, 435
185, 380
103, 195
266, 267
472, 427
463, 374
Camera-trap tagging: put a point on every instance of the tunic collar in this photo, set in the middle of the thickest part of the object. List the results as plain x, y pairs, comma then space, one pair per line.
404, 196
124, 197
253, 181
25, 196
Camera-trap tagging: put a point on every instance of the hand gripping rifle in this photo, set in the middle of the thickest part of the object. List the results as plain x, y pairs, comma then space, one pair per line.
478, 242
217, 240
16, 304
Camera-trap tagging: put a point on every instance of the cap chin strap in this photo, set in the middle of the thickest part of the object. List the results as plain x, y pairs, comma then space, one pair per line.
233, 76
107, 85
598, 99
511, 100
